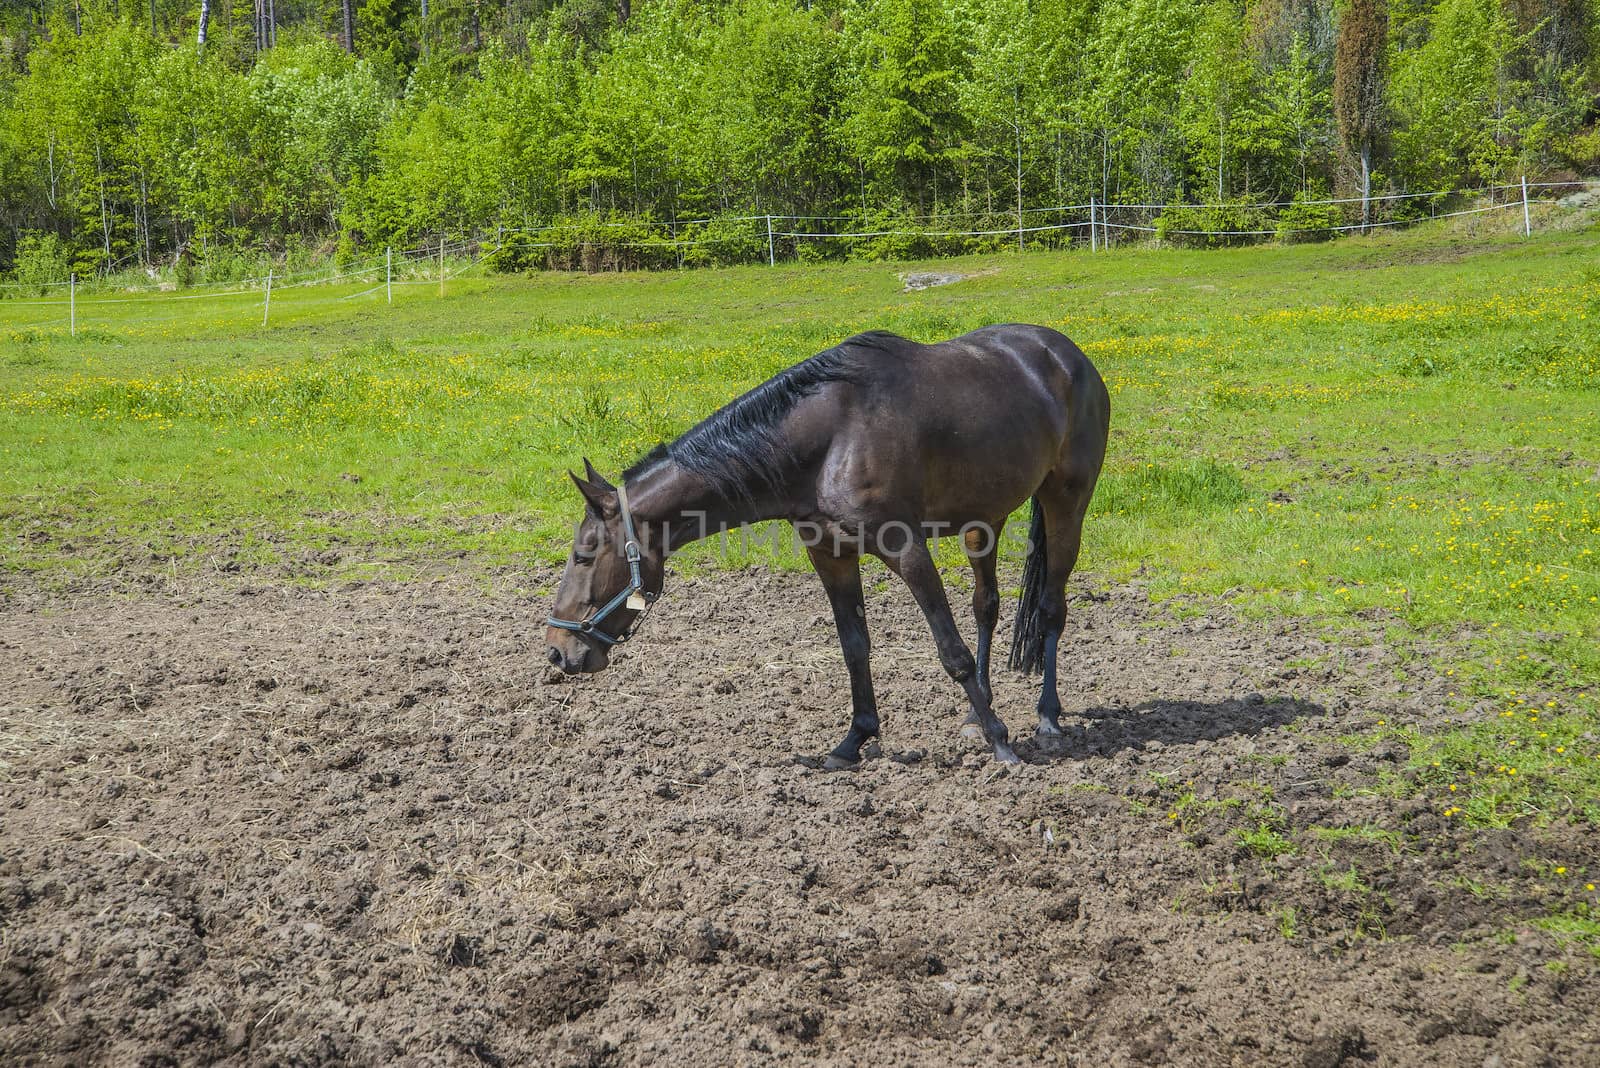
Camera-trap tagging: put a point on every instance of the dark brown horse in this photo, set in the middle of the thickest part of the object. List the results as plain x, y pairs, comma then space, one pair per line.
875, 446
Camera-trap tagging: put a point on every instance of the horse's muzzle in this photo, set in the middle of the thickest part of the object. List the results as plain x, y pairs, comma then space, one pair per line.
580, 660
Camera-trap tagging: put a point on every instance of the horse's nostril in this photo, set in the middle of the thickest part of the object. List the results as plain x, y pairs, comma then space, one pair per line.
555, 656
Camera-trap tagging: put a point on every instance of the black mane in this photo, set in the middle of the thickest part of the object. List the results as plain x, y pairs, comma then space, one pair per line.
738, 447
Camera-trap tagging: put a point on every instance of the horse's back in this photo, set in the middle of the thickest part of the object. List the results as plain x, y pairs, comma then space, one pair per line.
968, 427
1029, 378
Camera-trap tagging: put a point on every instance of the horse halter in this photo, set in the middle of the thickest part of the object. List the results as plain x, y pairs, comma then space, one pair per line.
634, 596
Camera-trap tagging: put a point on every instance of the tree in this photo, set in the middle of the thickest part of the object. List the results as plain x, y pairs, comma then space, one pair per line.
76, 131
1137, 58
1298, 95
1220, 93
763, 105
1360, 54
998, 96
383, 30
902, 118
321, 111
1456, 98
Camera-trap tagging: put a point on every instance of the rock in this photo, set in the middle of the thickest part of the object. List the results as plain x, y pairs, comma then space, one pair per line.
928, 279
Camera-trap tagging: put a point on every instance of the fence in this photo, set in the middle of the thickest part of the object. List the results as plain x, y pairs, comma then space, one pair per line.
427, 266
1099, 225
762, 237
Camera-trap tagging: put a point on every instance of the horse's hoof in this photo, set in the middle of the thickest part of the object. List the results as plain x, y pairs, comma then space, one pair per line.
1047, 734
1003, 754
972, 731
835, 762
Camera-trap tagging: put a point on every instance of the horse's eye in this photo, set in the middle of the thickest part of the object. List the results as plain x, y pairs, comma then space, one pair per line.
583, 557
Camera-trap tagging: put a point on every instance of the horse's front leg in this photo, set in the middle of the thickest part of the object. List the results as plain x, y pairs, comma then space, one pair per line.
915, 566
981, 545
841, 577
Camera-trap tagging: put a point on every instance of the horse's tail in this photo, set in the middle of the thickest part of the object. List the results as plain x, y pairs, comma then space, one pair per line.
1027, 631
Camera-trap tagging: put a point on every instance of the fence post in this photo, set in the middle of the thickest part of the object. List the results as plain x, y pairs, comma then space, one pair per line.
388, 273
441, 263
1093, 247
772, 256
266, 307
1527, 221
72, 304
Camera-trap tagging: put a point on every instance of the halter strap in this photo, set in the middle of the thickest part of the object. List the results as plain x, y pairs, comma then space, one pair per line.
590, 627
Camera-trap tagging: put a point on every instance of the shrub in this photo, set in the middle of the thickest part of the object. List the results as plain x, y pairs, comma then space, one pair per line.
41, 260
907, 237
1212, 225
224, 263
1305, 221
899, 238
725, 242
594, 243
518, 252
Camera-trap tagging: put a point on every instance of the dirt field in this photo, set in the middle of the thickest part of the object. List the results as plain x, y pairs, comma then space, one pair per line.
256, 821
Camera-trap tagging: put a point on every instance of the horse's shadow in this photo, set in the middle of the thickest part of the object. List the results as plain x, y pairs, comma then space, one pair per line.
1106, 730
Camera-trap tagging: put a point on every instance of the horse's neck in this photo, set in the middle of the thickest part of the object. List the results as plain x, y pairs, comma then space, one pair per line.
680, 507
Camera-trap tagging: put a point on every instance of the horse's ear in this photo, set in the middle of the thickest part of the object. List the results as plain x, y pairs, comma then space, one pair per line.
594, 476
597, 497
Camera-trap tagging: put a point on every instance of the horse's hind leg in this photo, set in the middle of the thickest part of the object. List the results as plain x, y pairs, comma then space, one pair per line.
915, 567
1065, 503
841, 577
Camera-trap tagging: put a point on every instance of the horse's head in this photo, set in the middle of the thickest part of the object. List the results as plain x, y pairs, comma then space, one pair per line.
612, 575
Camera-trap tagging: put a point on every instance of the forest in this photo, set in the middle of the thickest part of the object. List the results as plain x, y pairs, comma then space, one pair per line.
158, 135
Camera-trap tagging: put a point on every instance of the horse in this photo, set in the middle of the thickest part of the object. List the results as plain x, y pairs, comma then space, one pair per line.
875, 446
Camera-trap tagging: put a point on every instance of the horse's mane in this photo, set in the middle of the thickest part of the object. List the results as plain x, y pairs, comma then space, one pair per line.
738, 447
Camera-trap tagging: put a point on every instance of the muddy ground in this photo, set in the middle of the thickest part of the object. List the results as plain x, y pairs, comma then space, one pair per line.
248, 820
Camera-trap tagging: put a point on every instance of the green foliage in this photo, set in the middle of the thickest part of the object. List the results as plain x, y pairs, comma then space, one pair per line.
517, 251
1303, 220
134, 147
592, 242
902, 117
1213, 225
41, 261
1454, 96
1265, 841
722, 242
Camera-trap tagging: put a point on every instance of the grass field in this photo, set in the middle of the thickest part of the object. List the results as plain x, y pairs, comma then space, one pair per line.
1400, 428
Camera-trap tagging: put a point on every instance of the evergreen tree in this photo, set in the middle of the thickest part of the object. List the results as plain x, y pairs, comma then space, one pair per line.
1360, 65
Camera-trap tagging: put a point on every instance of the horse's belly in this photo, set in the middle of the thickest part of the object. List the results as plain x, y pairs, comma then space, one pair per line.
979, 496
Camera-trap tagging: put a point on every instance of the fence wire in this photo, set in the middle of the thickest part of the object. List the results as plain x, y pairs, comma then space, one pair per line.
430, 265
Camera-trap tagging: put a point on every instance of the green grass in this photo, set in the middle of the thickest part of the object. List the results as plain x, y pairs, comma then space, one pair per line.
1398, 428
1363, 832
1579, 925
1265, 841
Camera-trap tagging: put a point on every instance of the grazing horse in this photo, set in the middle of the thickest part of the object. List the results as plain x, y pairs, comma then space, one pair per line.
874, 446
